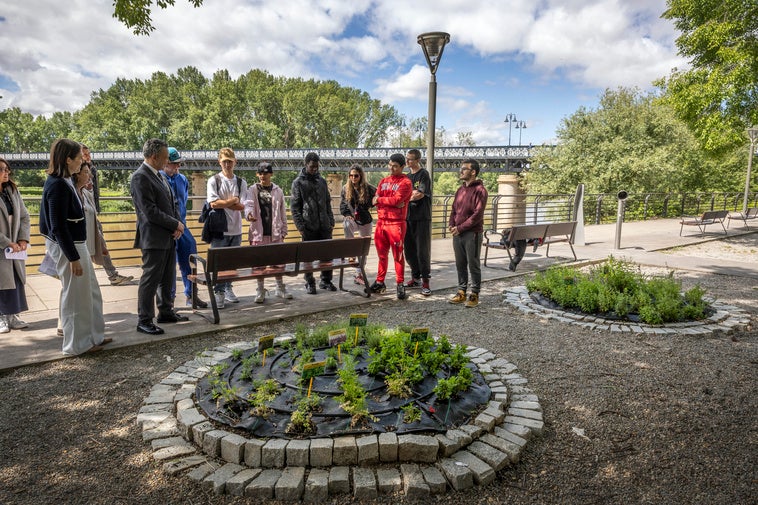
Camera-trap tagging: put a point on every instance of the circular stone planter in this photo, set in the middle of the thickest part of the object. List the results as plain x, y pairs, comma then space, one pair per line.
186, 442
726, 318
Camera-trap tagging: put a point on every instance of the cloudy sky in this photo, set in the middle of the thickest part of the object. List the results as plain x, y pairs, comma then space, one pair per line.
537, 59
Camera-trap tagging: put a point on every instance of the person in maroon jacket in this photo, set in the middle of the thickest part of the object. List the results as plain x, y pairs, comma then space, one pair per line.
391, 200
466, 224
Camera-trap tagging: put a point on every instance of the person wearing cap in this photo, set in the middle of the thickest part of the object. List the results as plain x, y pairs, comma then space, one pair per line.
227, 191
311, 206
186, 244
267, 214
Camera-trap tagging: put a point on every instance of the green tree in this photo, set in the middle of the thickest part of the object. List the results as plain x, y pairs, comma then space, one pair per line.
135, 14
718, 96
629, 142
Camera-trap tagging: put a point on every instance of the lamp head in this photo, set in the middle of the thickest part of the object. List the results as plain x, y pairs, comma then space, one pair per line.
752, 132
433, 43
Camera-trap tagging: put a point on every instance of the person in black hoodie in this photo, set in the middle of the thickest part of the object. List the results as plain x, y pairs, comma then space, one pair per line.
311, 207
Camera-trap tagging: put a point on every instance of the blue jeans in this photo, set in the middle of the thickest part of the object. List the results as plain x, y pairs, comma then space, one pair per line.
227, 241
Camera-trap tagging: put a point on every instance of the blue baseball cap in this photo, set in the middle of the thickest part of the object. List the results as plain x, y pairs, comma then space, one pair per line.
174, 156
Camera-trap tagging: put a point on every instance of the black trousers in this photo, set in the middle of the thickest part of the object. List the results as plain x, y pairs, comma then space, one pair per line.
326, 275
418, 248
158, 279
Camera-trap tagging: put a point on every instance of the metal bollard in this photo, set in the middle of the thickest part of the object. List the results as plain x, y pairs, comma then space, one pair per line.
620, 217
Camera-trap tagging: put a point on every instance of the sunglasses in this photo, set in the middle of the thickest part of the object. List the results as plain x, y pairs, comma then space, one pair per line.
355, 175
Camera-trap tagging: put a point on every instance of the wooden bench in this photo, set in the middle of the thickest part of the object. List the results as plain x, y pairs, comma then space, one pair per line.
708, 217
548, 233
744, 217
229, 264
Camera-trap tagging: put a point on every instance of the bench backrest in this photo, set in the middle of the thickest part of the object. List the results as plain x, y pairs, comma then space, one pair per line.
557, 229
246, 256
714, 215
325, 250
527, 232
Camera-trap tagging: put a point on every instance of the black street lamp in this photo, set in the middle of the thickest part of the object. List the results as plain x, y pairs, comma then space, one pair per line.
520, 126
753, 134
433, 43
510, 119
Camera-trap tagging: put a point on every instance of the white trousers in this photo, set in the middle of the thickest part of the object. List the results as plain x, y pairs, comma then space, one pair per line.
81, 304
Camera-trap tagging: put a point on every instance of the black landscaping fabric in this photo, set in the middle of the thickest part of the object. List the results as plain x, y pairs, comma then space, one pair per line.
437, 416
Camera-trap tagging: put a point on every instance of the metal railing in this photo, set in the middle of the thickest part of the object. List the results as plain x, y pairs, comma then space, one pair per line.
502, 211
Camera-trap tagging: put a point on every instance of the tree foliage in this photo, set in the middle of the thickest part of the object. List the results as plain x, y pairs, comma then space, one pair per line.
135, 14
629, 142
718, 96
190, 111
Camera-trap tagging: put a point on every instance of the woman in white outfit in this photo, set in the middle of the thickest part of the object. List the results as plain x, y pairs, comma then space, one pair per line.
63, 224
14, 236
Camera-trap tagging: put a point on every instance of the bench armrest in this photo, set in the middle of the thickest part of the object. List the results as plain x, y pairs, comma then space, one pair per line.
492, 236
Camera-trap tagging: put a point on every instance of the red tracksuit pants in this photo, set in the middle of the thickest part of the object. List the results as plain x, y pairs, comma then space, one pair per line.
390, 235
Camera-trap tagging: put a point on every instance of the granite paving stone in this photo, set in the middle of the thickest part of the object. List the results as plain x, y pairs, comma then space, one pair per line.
262, 487
216, 481
483, 473
458, 475
291, 484
364, 483
298, 453
316, 486
274, 453
233, 448
434, 479
414, 485
388, 480
236, 485
339, 480
344, 451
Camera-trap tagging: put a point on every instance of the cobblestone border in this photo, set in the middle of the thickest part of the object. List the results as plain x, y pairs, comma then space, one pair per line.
187, 443
727, 318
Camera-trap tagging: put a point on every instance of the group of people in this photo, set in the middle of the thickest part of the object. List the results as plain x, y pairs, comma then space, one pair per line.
74, 239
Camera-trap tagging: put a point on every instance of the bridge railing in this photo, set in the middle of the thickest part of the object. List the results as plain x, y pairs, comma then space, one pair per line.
119, 222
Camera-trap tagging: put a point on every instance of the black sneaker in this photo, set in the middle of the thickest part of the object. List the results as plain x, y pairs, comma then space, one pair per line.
401, 291
310, 288
328, 286
378, 287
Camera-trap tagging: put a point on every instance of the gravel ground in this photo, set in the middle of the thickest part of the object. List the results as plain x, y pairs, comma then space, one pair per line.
667, 420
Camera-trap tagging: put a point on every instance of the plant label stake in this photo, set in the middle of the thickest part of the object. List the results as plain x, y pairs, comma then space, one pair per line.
415, 351
310, 386
265, 342
358, 320
263, 363
337, 337
419, 334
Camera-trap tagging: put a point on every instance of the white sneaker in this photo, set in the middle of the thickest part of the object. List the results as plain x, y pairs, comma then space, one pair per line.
230, 297
15, 323
281, 292
219, 300
260, 295
4, 328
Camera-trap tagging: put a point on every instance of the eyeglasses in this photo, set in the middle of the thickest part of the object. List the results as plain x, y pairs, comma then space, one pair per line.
5, 170
355, 175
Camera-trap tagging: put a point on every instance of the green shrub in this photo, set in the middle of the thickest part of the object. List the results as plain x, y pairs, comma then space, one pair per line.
619, 287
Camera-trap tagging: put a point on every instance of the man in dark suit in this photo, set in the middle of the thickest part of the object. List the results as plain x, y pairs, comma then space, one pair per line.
158, 226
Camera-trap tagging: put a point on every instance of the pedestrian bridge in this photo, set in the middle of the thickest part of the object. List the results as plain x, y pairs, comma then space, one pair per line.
501, 159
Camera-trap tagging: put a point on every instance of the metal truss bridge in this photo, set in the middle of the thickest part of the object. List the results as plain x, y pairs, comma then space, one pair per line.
446, 159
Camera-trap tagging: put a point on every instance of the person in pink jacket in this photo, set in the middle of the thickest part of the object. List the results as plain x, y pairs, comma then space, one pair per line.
265, 210
391, 200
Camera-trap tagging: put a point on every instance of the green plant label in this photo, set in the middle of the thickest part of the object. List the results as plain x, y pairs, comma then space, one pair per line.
358, 319
419, 334
265, 342
313, 369
337, 337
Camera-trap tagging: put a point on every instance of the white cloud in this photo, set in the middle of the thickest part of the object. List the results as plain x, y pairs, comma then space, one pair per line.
57, 53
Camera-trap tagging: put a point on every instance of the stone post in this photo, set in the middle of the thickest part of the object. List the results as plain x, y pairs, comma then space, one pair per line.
199, 187
511, 207
335, 183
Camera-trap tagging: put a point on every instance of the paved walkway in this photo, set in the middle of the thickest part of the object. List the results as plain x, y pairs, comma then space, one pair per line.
640, 242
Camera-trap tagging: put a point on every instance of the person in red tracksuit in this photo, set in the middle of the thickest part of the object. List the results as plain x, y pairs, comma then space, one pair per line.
391, 200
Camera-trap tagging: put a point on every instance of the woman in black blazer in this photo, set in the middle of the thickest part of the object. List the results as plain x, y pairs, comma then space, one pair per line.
62, 223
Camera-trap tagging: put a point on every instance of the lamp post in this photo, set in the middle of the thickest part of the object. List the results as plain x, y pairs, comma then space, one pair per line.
433, 43
753, 134
520, 126
510, 119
